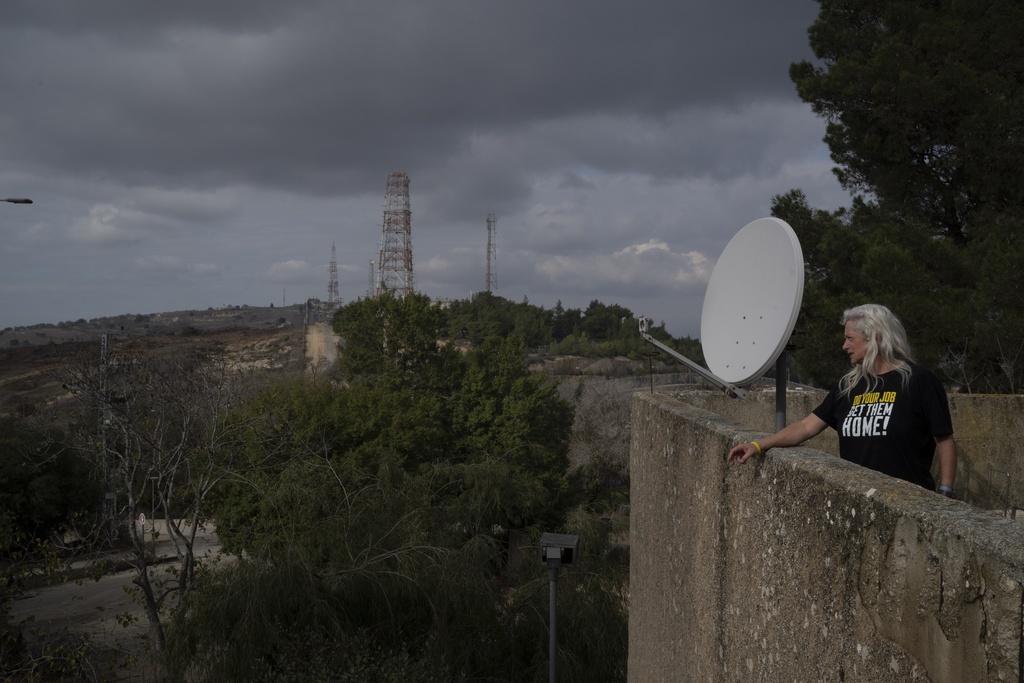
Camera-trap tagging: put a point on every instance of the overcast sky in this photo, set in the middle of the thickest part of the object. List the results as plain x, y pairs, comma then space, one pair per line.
191, 154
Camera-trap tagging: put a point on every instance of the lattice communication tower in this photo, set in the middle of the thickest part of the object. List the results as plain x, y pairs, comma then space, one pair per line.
333, 299
492, 253
394, 267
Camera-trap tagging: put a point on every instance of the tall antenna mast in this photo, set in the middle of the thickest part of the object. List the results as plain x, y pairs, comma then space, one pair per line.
332, 283
492, 253
394, 267
369, 281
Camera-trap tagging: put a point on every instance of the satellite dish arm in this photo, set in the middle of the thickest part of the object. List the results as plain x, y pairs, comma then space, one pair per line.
731, 389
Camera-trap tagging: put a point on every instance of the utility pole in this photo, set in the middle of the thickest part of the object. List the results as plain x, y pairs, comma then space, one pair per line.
109, 495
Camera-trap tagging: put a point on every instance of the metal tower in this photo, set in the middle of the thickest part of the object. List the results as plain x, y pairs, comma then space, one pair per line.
333, 300
394, 267
370, 281
492, 253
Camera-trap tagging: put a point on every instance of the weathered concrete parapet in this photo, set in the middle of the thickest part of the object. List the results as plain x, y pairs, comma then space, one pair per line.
989, 429
802, 567
990, 474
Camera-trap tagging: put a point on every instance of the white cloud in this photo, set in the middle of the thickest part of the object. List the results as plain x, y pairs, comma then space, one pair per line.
289, 271
104, 225
650, 266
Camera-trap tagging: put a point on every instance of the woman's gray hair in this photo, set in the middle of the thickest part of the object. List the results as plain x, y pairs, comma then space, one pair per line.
887, 340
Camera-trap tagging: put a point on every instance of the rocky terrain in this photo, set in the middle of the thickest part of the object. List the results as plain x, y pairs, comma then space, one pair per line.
271, 338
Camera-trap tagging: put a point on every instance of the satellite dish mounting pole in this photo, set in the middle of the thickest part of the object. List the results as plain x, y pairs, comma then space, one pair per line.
731, 389
781, 375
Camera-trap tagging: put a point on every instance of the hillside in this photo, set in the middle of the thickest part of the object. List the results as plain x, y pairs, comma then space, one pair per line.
30, 357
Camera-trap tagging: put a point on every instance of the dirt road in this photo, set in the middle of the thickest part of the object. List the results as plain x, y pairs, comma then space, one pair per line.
321, 345
105, 610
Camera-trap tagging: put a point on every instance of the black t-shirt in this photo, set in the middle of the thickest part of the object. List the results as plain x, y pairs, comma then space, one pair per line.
892, 427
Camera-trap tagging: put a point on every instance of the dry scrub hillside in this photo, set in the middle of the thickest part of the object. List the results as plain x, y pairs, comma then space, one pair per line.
265, 339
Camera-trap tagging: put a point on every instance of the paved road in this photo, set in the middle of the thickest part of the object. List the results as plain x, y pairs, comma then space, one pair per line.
92, 607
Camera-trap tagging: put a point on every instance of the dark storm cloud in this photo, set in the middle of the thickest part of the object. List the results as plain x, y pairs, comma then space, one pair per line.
325, 97
206, 152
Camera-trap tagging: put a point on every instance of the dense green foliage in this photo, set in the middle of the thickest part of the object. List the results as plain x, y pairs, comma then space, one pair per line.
390, 532
392, 341
924, 105
408, 496
860, 255
600, 330
488, 315
42, 486
925, 109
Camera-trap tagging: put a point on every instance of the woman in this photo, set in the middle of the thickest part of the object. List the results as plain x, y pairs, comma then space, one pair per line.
891, 414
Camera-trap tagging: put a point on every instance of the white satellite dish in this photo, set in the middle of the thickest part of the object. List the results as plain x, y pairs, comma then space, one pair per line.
752, 301
751, 306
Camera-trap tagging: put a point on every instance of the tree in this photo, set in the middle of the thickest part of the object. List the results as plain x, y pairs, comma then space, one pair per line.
366, 429
364, 574
599, 447
342, 558
43, 485
926, 125
515, 421
163, 430
564, 321
924, 105
489, 315
396, 520
394, 341
383, 525
862, 254
602, 322
47, 494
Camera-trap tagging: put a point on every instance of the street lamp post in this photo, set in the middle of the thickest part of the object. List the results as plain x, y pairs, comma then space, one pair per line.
556, 551
17, 200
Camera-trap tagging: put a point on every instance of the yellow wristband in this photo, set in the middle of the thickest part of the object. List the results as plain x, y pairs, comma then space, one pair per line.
757, 446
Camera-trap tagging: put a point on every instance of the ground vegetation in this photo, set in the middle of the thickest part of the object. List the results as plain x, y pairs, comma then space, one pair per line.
391, 530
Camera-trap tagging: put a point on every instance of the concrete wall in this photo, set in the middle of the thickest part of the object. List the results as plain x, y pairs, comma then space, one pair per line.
989, 435
801, 567
990, 440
